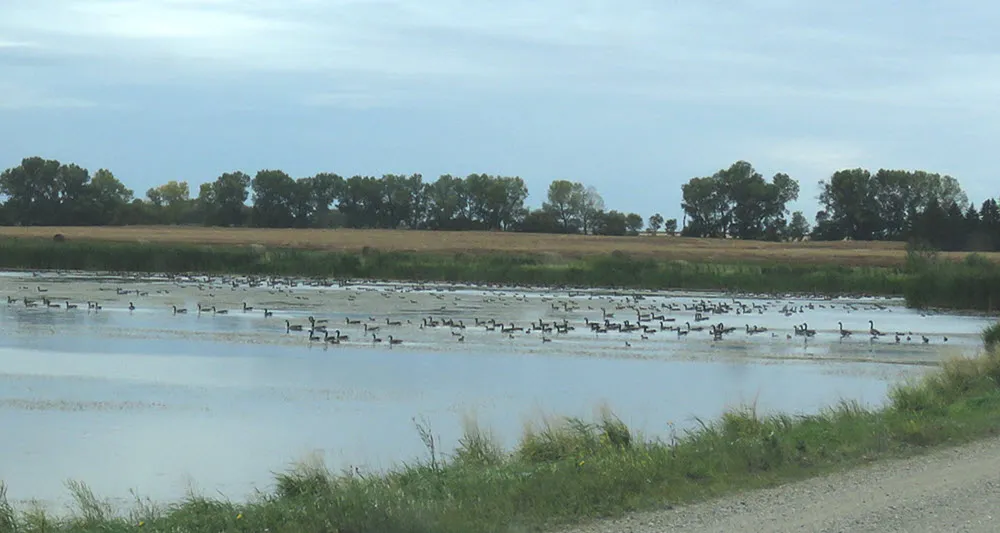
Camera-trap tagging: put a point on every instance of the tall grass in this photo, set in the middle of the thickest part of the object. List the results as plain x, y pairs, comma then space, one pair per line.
970, 284
611, 270
570, 470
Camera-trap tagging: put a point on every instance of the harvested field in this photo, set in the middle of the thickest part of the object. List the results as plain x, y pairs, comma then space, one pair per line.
854, 253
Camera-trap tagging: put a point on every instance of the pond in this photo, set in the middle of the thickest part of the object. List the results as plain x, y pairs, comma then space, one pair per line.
216, 402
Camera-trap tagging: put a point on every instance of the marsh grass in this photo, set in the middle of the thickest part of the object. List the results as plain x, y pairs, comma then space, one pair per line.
568, 470
973, 283
615, 270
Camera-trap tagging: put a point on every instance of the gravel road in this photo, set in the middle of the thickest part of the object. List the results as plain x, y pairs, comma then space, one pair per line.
953, 490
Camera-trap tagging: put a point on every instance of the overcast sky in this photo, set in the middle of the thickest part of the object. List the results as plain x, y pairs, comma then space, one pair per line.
632, 96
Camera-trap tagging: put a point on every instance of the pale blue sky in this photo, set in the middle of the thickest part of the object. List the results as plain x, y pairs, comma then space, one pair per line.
632, 96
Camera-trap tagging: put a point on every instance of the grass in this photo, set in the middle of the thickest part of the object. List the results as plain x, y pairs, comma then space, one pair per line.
616, 269
571, 470
853, 253
973, 283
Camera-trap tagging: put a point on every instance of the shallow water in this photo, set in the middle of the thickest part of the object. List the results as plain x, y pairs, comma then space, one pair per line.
162, 402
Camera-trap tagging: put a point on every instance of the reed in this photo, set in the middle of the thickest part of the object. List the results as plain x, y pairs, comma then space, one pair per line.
970, 284
571, 470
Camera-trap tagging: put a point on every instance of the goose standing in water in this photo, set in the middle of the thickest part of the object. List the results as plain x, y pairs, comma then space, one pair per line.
179, 311
70, 306
338, 336
393, 341
131, 306
843, 332
268, 313
292, 327
871, 329
375, 339
332, 340
247, 308
219, 311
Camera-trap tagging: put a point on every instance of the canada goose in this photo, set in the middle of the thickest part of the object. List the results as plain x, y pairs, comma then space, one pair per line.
925, 339
329, 339
313, 337
70, 306
461, 338
292, 327
219, 311
394, 341
375, 339
179, 311
843, 332
97, 306
40, 289
351, 322
370, 329
314, 321
339, 336
131, 306
268, 313
871, 329
393, 323
806, 331
246, 307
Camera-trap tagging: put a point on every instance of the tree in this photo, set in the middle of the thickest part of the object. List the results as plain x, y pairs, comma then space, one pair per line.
226, 204
107, 197
798, 228
447, 204
633, 224
565, 203
670, 226
737, 202
275, 196
655, 223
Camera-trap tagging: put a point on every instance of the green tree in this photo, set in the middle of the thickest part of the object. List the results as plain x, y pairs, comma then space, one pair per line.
655, 223
737, 202
633, 223
274, 199
226, 204
798, 228
108, 198
670, 226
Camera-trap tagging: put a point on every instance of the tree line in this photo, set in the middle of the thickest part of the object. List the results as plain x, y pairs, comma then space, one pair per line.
46, 192
735, 202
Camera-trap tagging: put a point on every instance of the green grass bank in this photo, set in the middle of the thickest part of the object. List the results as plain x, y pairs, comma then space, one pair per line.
614, 270
572, 470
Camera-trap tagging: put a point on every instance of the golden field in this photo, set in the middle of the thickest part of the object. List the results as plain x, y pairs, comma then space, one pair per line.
854, 253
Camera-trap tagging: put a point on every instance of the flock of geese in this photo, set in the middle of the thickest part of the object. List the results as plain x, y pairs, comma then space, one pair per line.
646, 317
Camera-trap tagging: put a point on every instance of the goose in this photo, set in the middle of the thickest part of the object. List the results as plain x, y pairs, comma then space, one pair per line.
843, 332
314, 321
370, 329
246, 307
70, 306
313, 337
268, 313
339, 336
40, 289
808, 332
394, 341
329, 339
292, 327
219, 311
131, 306
97, 306
352, 322
871, 329
375, 339
179, 311
925, 339
461, 338
393, 323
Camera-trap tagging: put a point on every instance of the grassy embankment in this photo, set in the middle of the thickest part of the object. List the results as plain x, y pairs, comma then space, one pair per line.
570, 471
946, 280
614, 268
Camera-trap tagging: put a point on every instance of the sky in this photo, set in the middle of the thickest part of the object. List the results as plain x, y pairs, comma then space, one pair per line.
634, 97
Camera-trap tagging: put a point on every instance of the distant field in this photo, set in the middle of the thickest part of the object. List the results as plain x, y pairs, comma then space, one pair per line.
678, 248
